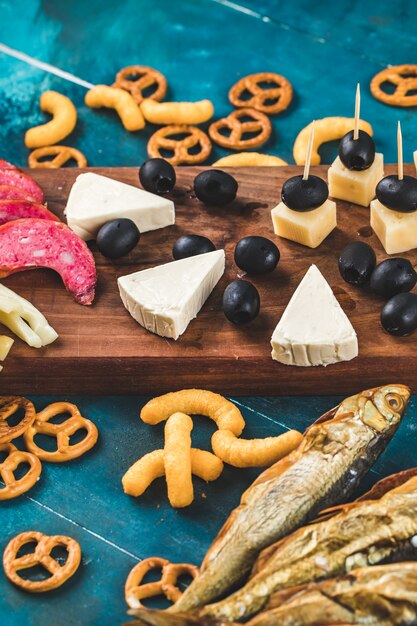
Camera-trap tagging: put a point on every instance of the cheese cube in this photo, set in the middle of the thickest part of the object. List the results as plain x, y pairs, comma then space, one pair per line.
353, 186
396, 231
95, 200
309, 228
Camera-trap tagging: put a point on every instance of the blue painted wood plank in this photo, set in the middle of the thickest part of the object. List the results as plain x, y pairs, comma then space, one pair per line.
200, 57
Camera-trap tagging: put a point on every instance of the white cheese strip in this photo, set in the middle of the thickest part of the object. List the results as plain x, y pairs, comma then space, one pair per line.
95, 200
313, 329
24, 320
164, 299
353, 186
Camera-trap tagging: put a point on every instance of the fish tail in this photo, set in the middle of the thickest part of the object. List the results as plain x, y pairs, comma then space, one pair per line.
149, 617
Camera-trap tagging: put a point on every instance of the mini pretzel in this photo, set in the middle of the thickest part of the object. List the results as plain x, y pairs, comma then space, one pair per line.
61, 155
8, 407
137, 78
135, 591
259, 123
281, 94
177, 112
325, 129
254, 452
162, 139
41, 556
16, 486
119, 100
249, 159
404, 78
62, 432
195, 402
64, 119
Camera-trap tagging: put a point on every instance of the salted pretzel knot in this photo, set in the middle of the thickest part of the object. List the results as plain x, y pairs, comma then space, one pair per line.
258, 123
137, 78
13, 486
8, 407
167, 585
266, 99
41, 556
164, 139
60, 154
404, 78
62, 432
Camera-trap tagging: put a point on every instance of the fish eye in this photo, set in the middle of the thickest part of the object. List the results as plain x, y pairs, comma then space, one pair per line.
395, 401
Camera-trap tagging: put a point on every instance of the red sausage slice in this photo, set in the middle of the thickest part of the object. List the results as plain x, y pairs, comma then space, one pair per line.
6, 165
16, 178
16, 209
32, 243
8, 192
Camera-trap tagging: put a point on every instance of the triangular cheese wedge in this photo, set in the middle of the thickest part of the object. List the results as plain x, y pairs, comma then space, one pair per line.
95, 200
164, 299
313, 329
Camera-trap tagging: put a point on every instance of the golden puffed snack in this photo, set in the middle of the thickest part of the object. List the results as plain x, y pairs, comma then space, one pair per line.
14, 487
177, 112
249, 159
325, 129
137, 78
119, 100
404, 78
9, 405
64, 119
191, 136
254, 452
60, 154
280, 95
62, 432
135, 591
151, 466
177, 460
195, 402
258, 123
41, 556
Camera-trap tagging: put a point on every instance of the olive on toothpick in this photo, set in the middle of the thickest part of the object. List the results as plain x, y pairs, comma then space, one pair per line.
398, 192
306, 192
357, 148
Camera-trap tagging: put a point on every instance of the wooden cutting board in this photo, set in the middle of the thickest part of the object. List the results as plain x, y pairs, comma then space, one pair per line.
102, 350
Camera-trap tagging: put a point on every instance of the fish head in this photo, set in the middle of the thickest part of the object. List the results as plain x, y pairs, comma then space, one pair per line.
382, 408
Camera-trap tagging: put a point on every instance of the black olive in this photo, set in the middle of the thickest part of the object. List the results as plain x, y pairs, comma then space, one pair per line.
157, 176
357, 262
399, 315
256, 255
191, 245
215, 187
241, 302
393, 276
304, 195
357, 154
117, 237
396, 194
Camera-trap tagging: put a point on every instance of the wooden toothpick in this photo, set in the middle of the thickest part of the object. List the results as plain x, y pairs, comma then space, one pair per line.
309, 150
400, 153
357, 111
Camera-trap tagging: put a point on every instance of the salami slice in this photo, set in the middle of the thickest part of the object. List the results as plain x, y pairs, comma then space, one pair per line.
6, 165
32, 243
16, 209
16, 178
8, 192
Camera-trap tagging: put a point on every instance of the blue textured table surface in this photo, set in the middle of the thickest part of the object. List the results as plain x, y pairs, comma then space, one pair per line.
203, 47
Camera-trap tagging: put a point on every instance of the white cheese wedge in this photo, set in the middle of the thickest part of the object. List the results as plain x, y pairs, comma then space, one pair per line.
164, 299
313, 330
95, 200
352, 186
396, 231
24, 319
309, 228
5, 346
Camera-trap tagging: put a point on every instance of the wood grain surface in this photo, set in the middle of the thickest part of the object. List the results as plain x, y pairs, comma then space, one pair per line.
102, 350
